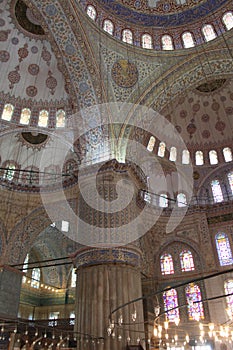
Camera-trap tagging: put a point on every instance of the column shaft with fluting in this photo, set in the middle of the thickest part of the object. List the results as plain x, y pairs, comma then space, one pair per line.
108, 267
107, 279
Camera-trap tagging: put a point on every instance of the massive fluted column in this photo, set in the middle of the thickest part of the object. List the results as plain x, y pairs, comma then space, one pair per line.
107, 279
108, 273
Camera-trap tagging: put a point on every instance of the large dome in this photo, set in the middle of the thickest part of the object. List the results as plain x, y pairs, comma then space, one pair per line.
159, 13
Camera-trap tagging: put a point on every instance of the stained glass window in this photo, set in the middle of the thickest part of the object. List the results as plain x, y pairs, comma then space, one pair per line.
223, 249
167, 43
43, 118
228, 20
108, 26
186, 261
188, 40
209, 33
228, 287
91, 12
151, 144
25, 116
73, 278
127, 36
230, 179
161, 150
181, 200
199, 158
163, 200
8, 111
217, 191
146, 41
195, 306
60, 118
170, 302
227, 154
35, 282
166, 264
213, 157
173, 154
9, 172
185, 157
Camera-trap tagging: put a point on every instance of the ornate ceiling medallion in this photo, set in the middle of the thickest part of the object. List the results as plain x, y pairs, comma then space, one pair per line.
124, 73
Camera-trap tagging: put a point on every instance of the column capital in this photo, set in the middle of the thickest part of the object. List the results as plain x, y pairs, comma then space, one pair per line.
119, 255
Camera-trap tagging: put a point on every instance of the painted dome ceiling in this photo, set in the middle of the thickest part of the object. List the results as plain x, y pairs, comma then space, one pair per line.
30, 69
203, 115
159, 13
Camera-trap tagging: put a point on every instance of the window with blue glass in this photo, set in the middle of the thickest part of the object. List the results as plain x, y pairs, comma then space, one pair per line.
171, 305
223, 249
195, 305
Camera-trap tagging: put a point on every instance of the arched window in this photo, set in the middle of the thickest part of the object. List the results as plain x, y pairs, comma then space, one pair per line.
217, 191
167, 43
9, 171
108, 26
163, 200
25, 116
91, 12
146, 41
173, 154
213, 157
65, 226
170, 302
43, 118
166, 264
25, 267
8, 111
188, 41
60, 118
230, 179
199, 158
181, 200
151, 143
30, 176
147, 197
35, 282
208, 31
227, 154
72, 318
195, 306
228, 20
127, 36
186, 261
73, 278
223, 249
228, 287
161, 150
185, 157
